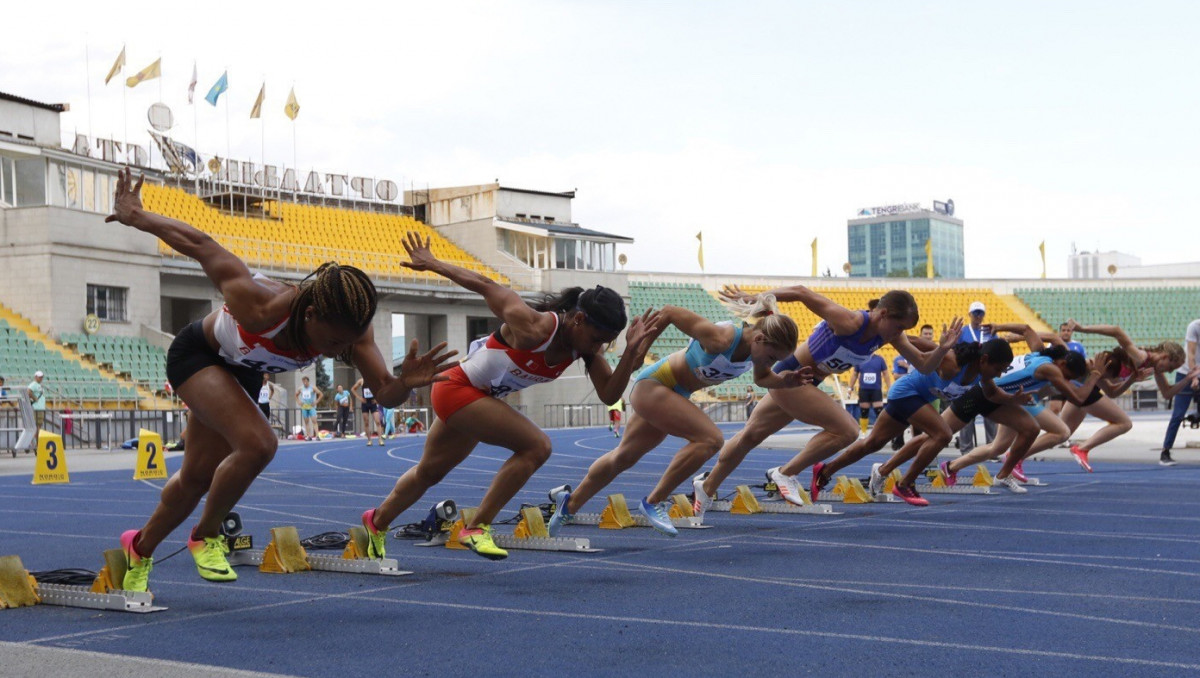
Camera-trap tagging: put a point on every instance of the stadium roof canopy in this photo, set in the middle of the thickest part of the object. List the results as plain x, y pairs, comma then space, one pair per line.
57, 108
551, 230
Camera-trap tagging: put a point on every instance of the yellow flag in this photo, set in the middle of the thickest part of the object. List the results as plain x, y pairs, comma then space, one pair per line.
814, 252
1042, 249
117, 66
150, 72
292, 108
700, 255
256, 112
929, 258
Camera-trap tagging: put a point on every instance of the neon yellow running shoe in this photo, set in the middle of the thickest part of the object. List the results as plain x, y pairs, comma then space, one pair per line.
137, 567
209, 554
479, 540
376, 538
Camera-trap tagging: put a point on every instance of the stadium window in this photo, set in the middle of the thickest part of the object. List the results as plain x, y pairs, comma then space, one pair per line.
31, 182
108, 303
7, 180
522, 216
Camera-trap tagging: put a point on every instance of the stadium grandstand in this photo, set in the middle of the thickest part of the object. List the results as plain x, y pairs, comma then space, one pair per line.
95, 306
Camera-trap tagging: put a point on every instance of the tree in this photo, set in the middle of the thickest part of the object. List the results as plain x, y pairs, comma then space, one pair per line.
324, 382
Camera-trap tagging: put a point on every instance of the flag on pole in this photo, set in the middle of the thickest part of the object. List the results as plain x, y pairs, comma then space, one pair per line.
700, 254
117, 66
150, 72
218, 89
1042, 249
928, 257
292, 108
814, 250
256, 112
192, 84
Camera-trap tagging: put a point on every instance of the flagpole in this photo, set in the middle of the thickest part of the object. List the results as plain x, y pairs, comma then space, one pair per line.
87, 58
228, 145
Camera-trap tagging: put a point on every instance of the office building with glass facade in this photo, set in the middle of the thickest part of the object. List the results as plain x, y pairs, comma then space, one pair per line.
885, 242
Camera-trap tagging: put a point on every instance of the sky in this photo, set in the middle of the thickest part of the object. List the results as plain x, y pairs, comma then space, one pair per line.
762, 124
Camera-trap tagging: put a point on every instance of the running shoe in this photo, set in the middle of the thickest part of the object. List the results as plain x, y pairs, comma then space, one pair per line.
1081, 456
1165, 459
909, 494
369, 443
817, 484
560, 516
209, 554
137, 568
702, 502
479, 540
951, 476
376, 538
789, 487
1011, 483
1018, 472
659, 516
875, 483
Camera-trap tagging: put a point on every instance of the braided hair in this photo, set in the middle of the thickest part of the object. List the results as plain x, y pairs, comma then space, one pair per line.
339, 295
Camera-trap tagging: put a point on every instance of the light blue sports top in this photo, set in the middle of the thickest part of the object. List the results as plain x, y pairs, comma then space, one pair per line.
931, 386
837, 354
716, 368
308, 396
1019, 375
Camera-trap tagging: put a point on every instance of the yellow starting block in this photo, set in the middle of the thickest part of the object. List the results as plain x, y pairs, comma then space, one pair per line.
529, 535
681, 507
938, 485
983, 477
18, 588
285, 554
852, 491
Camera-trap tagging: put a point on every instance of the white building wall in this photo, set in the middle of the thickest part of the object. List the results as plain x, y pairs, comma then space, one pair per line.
511, 203
22, 120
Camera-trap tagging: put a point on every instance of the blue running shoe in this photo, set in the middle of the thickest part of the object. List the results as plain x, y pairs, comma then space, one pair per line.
659, 516
560, 516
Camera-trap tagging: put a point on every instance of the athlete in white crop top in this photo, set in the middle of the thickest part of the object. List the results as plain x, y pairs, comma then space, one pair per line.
214, 365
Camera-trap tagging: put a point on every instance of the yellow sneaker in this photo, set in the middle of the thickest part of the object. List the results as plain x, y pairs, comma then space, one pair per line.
479, 540
209, 554
376, 538
137, 568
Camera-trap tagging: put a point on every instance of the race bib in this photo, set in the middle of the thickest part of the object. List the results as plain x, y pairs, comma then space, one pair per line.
842, 360
869, 378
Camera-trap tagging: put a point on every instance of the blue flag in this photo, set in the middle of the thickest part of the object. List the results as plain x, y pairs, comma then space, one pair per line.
218, 89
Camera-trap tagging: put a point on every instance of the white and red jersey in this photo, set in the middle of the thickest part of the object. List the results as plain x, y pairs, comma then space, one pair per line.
499, 369
256, 351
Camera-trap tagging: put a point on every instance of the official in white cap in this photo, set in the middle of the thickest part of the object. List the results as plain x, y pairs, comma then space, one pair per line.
974, 332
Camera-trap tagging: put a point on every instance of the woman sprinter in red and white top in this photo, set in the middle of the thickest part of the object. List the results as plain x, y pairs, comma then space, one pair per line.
536, 343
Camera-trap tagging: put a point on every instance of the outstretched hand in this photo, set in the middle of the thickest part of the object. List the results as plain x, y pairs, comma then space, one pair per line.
951, 333
417, 371
421, 257
735, 293
127, 198
643, 331
794, 378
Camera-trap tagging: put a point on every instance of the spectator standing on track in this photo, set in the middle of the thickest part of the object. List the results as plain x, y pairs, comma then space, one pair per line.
1183, 400
614, 417
308, 396
976, 332
751, 401
266, 394
37, 396
370, 410
872, 380
345, 405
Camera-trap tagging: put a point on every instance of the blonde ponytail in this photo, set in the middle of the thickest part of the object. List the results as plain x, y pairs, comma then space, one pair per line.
759, 306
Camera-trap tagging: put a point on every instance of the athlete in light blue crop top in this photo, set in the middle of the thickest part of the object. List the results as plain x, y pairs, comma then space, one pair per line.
911, 400
842, 339
660, 406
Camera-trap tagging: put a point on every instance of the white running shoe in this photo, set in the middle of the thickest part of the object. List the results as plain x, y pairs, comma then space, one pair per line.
789, 487
1011, 483
875, 484
702, 501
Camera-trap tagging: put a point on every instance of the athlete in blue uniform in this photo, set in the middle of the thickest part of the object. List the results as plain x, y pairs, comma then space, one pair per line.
911, 401
842, 339
661, 407
872, 380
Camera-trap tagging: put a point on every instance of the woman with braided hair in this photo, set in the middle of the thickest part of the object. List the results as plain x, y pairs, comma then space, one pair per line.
215, 365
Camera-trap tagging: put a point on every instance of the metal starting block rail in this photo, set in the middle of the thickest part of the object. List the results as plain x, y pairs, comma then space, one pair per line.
745, 503
616, 515
19, 589
529, 535
284, 554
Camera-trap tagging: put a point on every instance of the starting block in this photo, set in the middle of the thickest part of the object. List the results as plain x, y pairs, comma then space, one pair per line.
938, 485
745, 503
19, 589
529, 535
616, 516
285, 554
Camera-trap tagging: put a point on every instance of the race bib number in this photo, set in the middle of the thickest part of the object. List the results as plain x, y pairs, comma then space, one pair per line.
842, 360
869, 378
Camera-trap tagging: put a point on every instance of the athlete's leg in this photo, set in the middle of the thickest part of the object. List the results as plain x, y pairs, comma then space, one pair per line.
915, 446
938, 432
445, 448
884, 430
1118, 423
767, 418
811, 406
1026, 435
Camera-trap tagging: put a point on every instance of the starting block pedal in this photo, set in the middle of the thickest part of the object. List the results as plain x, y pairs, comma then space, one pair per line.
19, 589
284, 554
745, 503
938, 485
616, 516
529, 535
